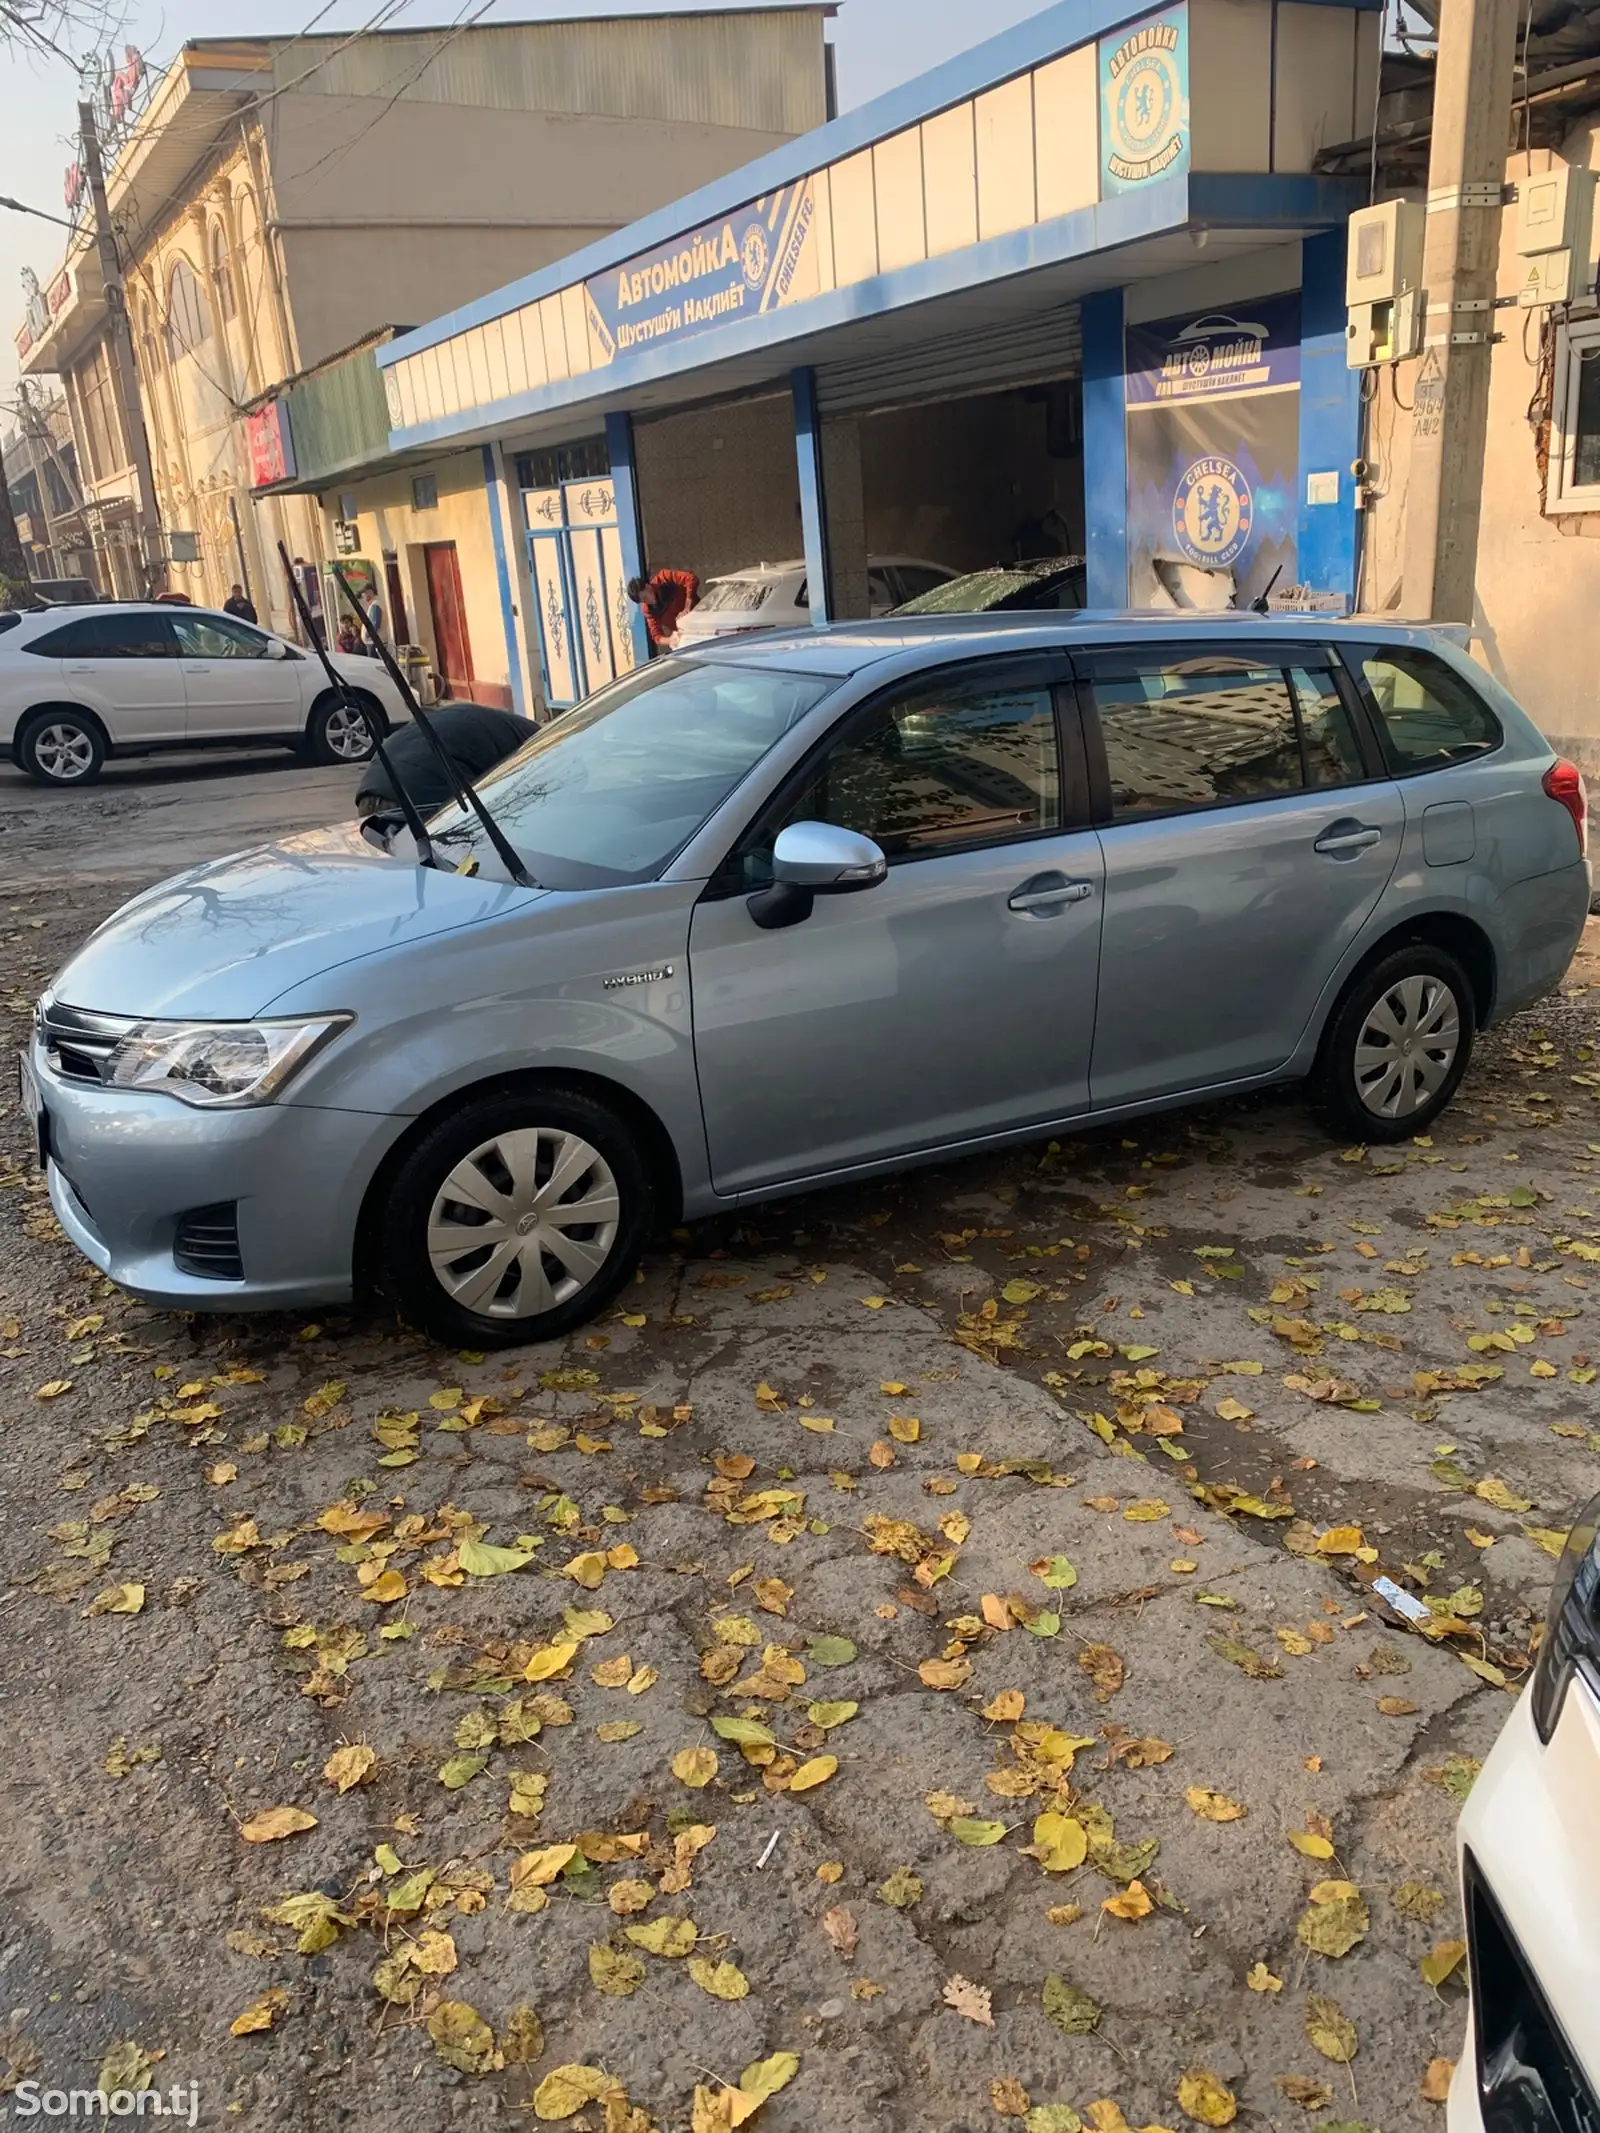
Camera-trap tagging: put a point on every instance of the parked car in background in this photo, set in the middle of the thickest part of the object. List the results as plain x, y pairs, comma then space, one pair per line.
1063, 871
1054, 582
130, 678
64, 592
771, 596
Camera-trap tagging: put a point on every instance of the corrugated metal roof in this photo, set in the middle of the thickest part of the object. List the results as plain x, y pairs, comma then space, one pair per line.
760, 69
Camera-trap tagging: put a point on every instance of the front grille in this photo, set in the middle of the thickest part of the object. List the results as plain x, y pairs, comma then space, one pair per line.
1529, 2080
78, 1044
207, 1243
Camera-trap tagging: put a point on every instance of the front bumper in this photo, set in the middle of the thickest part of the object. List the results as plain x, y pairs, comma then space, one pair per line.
125, 1166
1530, 1845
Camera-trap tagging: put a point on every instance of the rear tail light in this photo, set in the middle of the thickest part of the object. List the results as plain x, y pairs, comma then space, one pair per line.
1563, 781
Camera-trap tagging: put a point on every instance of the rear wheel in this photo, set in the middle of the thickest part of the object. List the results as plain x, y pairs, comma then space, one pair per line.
1399, 1044
62, 747
516, 1218
341, 731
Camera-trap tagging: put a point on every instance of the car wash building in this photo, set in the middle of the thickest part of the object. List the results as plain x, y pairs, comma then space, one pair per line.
1078, 290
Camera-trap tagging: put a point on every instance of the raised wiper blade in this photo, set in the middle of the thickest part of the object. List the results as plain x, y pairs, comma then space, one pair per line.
467, 797
414, 821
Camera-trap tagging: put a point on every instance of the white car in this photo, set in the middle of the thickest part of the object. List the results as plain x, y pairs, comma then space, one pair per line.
79, 685
775, 596
1530, 1884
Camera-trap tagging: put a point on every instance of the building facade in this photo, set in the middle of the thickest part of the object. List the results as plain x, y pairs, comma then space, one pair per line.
1080, 290
279, 198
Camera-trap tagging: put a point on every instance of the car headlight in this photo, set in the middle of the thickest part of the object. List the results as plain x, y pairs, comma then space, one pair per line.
219, 1063
1572, 1628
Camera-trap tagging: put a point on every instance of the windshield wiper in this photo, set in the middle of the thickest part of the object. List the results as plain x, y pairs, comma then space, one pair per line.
467, 797
414, 821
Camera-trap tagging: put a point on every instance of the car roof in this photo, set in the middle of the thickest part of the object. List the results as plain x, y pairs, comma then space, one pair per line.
847, 647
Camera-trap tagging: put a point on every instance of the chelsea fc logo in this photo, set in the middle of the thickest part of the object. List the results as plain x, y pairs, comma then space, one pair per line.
1213, 513
755, 255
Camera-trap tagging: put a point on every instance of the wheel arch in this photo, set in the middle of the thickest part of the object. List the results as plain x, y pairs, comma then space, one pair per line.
661, 1157
1452, 931
52, 707
326, 699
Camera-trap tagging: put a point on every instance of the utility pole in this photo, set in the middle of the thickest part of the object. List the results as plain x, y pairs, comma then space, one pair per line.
124, 371
1461, 251
13, 563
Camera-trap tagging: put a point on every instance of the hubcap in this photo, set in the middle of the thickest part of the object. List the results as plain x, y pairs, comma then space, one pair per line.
1407, 1047
348, 733
523, 1223
64, 752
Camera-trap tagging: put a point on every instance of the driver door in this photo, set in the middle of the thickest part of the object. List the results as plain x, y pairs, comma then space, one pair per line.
955, 999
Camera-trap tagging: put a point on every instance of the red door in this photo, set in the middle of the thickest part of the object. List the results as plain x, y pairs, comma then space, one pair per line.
450, 638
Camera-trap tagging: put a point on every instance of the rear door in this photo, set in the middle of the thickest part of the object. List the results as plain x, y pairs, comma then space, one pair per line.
233, 687
953, 1000
123, 664
1248, 832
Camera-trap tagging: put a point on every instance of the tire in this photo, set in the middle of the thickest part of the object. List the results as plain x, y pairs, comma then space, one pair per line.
62, 747
1398, 1045
335, 735
516, 1287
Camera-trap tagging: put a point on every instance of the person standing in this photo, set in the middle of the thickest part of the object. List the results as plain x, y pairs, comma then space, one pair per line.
664, 599
239, 603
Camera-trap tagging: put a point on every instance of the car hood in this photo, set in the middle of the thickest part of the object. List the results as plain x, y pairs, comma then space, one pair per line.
224, 940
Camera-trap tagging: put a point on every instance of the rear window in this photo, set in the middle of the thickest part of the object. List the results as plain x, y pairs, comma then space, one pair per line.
731, 596
8, 622
1427, 713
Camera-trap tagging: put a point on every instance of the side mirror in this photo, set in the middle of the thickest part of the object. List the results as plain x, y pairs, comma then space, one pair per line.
276, 648
812, 859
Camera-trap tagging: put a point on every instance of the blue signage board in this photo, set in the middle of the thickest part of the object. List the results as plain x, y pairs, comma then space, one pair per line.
1144, 102
1213, 428
744, 263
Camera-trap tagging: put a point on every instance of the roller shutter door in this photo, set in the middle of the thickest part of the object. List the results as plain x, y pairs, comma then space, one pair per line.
1027, 351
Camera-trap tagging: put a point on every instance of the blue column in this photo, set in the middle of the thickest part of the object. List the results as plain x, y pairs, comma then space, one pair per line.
630, 527
1105, 450
1330, 421
502, 570
813, 513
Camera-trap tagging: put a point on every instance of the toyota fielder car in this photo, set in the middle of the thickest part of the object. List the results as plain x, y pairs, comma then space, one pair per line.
793, 910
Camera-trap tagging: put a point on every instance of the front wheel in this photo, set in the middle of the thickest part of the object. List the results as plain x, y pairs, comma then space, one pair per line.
516, 1218
64, 747
1399, 1045
342, 732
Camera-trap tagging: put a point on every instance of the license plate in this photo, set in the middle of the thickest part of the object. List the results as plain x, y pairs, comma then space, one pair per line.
32, 1104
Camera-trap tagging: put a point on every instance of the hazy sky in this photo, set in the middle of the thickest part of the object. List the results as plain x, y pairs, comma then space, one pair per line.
881, 43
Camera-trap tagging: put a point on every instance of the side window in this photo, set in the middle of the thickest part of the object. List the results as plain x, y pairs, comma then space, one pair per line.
914, 579
1195, 731
1428, 714
939, 771
880, 591
212, 637
1206, 729
135, 637
74, 640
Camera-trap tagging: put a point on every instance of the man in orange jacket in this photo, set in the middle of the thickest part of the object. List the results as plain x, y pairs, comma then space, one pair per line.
664, 599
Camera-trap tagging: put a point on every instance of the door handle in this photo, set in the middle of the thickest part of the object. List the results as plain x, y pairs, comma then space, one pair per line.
1343, 840
82, 667
1048, 895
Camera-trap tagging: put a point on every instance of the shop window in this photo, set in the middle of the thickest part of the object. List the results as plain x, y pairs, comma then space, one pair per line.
188, 323
583, 461
1574, 480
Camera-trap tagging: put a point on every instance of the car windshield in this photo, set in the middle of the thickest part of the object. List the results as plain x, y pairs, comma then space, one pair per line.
735, 595
981, 590
608, 793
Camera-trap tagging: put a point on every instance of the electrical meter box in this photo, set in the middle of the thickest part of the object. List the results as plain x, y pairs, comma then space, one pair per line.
1384, 260
1555, 210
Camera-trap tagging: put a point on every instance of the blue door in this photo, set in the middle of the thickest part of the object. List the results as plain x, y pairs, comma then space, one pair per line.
575, 560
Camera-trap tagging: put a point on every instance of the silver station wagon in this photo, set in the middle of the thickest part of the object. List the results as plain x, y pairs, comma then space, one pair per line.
795, 910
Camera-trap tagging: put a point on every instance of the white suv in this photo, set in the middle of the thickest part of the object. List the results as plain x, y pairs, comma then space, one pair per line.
129, 679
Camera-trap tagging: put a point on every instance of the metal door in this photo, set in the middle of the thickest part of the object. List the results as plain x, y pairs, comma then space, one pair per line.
231, 684
575, 556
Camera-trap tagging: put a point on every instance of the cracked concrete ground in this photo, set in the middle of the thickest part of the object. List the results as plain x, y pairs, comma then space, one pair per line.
1203, 1642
